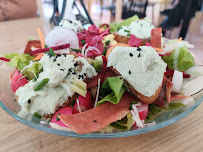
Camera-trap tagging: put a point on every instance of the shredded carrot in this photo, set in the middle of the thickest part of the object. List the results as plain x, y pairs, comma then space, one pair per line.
159, 50
180, 39
100, 30
41, 36
38, 57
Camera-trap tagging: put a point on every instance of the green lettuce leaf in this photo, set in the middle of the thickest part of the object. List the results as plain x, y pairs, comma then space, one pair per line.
112, 90
154, 111
185, 59
18, 60
173, 106
124, 124
115, 26
33, 71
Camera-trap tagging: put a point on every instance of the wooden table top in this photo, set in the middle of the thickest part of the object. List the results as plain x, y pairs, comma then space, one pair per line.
185, 135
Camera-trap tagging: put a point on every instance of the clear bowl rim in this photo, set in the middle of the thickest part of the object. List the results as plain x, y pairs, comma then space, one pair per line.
104, 135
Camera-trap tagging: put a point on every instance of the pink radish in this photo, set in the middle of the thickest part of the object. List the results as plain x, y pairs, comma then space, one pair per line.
17, 80
64, 111
84, 103
60, 36
143, 111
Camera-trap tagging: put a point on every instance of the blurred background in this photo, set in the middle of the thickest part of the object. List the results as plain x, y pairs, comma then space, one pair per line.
178, 18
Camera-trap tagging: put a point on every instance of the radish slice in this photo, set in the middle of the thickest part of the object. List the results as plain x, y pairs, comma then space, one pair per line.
17, 81
193, 87
64, 111
84, 103
177, 81
142, 110
60, 36
56, 126
194, 72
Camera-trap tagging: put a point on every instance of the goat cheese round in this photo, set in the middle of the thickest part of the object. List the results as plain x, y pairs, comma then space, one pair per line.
76, 26
60, 70
141, 67
124, 31
140, 28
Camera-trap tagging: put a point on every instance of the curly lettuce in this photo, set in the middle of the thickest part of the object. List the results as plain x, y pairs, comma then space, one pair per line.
115, 26
24, 63
112, 90
33, 71
185, 60
18, 60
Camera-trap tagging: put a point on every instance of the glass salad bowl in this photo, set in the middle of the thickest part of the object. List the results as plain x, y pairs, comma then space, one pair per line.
9, 103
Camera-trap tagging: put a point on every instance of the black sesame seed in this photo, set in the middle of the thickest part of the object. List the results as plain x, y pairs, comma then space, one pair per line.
129, 72
139, 49
54, 60
64, 54
138, 55
14, 99
75, 64
59, 55
62, 69
137, 21
58, 64
74, 73
82, 76
94, 120
69, 70
85, 74
140, 24
29, 101
131, 55
70, 21
49, 55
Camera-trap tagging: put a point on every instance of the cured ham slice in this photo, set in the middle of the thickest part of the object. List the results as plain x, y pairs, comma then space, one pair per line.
97, 118
94, 81
156, 37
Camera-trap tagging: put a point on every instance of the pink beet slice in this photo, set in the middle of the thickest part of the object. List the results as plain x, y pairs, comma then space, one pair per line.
64, 111
85, 103
17, 81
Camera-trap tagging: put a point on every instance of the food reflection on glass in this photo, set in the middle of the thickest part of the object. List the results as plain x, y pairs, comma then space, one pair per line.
116, 77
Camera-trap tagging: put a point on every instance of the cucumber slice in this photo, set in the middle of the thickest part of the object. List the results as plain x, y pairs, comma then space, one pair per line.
79, 90
80, 83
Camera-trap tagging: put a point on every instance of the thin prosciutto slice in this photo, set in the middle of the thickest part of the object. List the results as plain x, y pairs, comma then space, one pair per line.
156, 37
165, 93
97, 118
94, 81
169, 85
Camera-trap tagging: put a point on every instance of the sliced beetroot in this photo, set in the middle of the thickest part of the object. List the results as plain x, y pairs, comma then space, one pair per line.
4, 59
62, 111
156, 37
84, 103
17, 81
55, 48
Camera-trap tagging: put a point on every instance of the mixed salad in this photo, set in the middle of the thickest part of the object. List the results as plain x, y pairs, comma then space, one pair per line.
114, 77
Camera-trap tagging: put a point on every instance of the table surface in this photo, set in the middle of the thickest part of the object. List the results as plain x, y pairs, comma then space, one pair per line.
185, 135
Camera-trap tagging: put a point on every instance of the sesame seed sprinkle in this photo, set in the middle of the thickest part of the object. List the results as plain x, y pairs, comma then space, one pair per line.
129, 72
